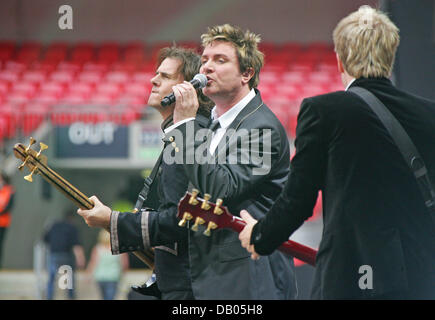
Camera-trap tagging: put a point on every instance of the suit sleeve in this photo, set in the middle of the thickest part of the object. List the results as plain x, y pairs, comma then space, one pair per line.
296, 202
225, 177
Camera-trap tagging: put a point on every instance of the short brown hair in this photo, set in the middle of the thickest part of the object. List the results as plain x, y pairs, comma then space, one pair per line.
189, 67
366, 42
246, 45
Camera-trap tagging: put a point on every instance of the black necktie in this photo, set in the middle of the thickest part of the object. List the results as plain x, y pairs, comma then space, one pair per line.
215, 125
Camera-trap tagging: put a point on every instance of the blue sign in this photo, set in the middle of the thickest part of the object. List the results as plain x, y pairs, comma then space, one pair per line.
92, 140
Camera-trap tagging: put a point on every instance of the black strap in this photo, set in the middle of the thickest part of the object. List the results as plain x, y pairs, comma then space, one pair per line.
143, 195
405, 145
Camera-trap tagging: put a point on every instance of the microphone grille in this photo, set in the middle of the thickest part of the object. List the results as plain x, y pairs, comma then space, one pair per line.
202, 79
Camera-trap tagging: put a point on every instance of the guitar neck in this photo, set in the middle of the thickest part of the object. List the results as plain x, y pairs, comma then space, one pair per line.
289, 247
72, 193
52, 177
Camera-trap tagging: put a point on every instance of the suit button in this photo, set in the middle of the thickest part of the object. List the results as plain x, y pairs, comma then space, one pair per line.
174, 144
171, 139
176, 149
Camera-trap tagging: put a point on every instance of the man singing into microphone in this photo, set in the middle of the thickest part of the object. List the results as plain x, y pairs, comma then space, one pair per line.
220, 267
159, 229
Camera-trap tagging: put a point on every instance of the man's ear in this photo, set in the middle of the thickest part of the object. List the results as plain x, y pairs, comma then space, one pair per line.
247, 75
339, 64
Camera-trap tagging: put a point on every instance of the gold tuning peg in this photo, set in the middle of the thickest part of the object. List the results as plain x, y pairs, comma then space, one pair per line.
23, 164
32, 142
211, 226
205, 205
43, 147
186, 217
198, 221
29, 177
217, 209
192, 199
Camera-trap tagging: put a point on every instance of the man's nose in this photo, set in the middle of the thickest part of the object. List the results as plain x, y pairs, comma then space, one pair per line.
154, 80
206, 68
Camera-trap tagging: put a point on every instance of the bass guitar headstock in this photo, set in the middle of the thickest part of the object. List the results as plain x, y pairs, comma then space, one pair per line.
31, 159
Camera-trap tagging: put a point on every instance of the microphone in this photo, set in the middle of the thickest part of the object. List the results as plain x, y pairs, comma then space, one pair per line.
198, 81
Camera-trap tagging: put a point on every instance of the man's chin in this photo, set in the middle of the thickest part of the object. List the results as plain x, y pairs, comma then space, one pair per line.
155, 103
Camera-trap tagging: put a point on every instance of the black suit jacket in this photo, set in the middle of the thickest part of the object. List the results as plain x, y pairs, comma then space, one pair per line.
159, 228
220, 267
373, 212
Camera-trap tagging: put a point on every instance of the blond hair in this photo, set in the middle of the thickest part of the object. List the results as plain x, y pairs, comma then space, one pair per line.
366, 43
246, 45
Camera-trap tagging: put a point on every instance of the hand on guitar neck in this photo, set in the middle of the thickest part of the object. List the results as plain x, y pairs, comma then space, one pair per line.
245, 235
98, 216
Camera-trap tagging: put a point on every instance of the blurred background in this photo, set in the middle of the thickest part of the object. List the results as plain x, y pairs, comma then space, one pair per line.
83, 92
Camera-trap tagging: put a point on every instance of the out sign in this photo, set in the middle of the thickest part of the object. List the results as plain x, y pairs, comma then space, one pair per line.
66, 19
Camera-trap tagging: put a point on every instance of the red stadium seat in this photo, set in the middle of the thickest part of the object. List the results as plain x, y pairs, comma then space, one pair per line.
34, 76
110, 88
7, 50
56, 52
29, 52
93, 77
108, 52
63, 76
117, 76
81, 88
135, 53
33, 116
83, 52
10, 113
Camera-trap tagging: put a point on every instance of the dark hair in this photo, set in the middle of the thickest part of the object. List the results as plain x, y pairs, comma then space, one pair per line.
189, 67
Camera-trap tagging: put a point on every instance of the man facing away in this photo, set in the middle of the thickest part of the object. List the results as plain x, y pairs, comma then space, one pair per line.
378, 239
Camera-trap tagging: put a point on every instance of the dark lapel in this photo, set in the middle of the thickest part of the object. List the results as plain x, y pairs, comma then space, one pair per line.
250, 108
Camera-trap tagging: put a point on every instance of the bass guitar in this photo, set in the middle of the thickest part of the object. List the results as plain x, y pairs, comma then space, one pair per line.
214, 216
37, 164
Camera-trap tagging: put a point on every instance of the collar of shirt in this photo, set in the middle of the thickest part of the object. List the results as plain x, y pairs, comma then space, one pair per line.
349, 84
228, 117
172, 127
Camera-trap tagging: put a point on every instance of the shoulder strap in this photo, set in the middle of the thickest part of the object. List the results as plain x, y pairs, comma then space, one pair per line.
143, 195
405, 145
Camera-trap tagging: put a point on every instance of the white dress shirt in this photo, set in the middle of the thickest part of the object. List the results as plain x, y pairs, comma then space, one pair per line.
349, 84
227, 118
224, 120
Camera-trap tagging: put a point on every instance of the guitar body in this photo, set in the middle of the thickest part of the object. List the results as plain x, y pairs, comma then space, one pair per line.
217, 216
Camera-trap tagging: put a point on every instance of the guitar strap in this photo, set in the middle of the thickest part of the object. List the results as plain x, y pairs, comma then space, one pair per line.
405, 145
143, 195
